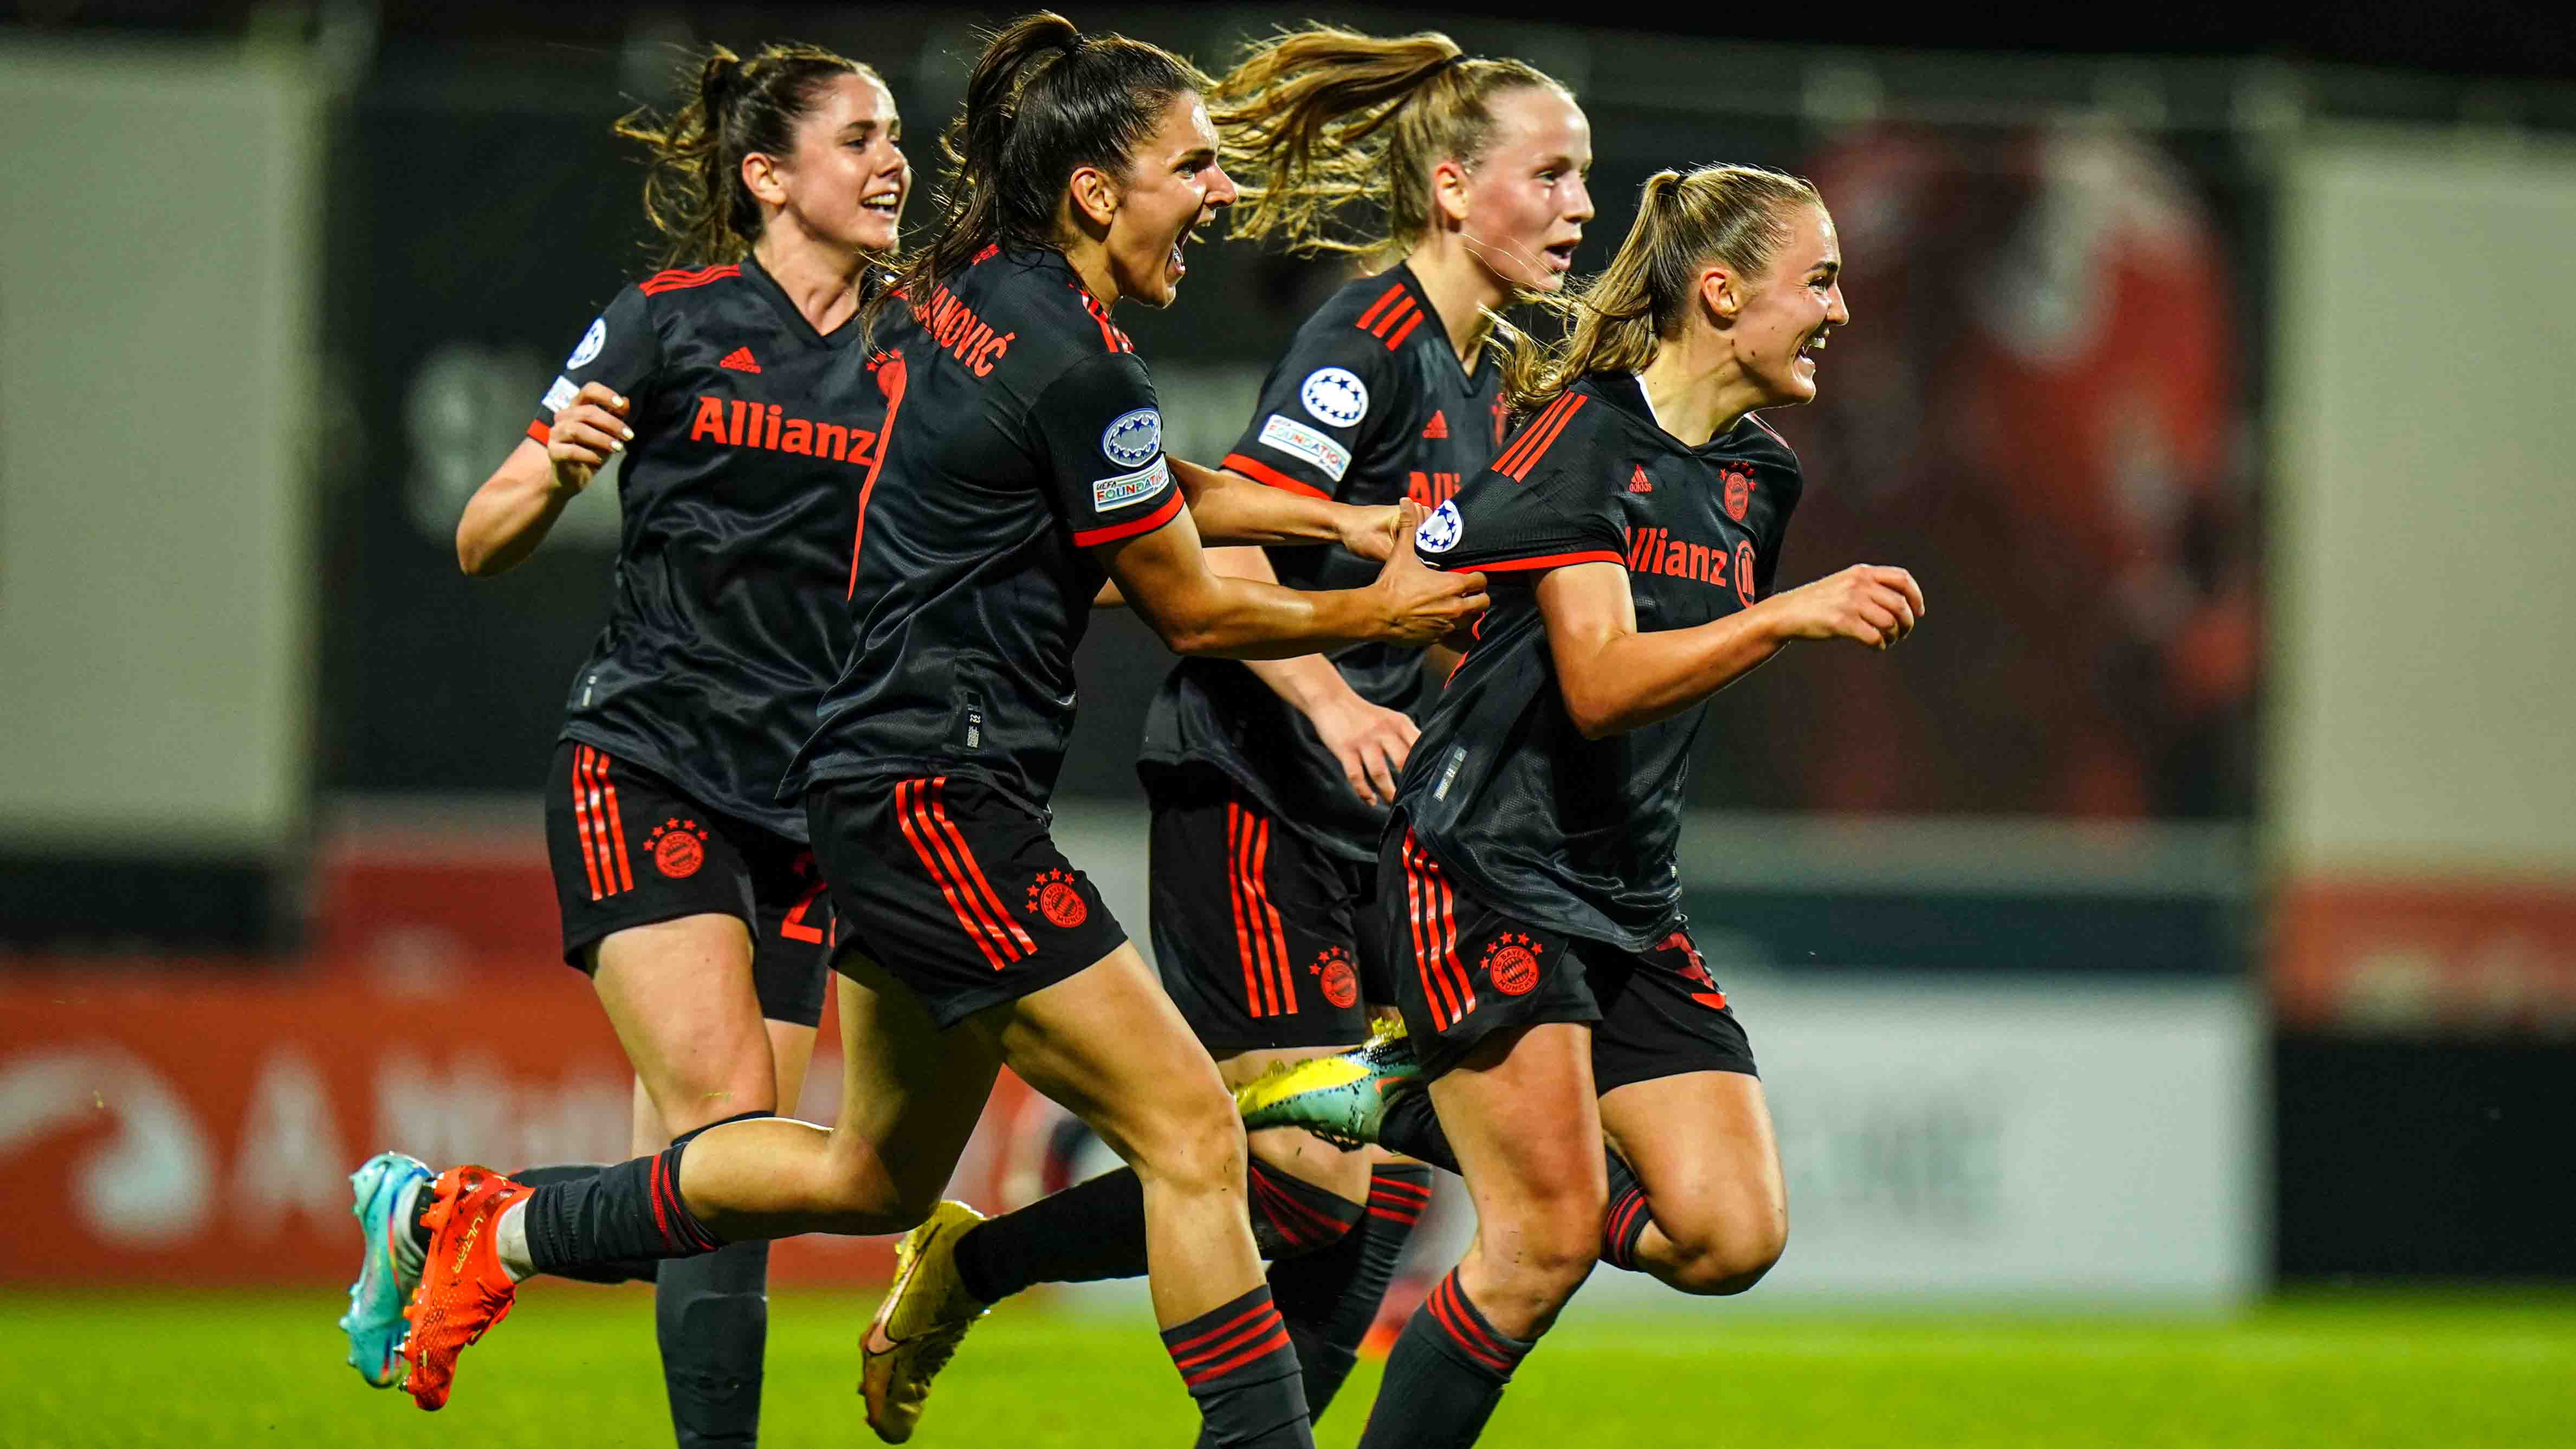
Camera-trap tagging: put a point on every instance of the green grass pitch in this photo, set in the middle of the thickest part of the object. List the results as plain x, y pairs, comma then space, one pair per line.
575, 1367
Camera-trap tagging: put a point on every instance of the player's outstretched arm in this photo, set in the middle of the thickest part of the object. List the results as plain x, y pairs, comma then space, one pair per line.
1370, 742
511, 513
1165, 578
1232, 509
1614, 678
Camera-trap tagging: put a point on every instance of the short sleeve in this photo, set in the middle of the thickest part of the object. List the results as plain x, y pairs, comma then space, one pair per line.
1322, 409
1542, 505
620, 348
1101, 433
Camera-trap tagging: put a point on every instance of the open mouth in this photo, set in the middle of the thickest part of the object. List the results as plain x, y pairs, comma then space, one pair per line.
1189, 237
886, 203
1560, 257
1808, 349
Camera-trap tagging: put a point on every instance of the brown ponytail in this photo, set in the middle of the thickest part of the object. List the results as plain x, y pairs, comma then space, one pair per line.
1043, 101
1617, 320
693, 190
1318, 121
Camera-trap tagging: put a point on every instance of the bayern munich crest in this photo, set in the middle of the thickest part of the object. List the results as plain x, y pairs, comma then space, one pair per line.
678, 847
1334, 975
1511, 963
1054, 896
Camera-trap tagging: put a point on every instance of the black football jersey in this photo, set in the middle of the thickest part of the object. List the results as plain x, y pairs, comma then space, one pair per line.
1368, 406
1582, 836
739, 493
1022, 432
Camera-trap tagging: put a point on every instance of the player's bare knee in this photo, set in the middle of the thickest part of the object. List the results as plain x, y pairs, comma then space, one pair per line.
1195, 1146
1723, 1259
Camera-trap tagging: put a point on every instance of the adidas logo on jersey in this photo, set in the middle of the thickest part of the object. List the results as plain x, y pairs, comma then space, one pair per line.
1437, 428
739, 360
1641, 483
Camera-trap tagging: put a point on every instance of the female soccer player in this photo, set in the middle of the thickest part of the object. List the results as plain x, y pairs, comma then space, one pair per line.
1554, 997
688, 893
1023, 468
1269, 780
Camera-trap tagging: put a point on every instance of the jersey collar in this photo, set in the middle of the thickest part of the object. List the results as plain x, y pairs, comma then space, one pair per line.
1627, 392
1470, 381
789, 314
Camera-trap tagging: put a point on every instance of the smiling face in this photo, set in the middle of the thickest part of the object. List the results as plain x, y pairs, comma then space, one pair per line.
1173, 186
1526, 199
1786, 314
846, 179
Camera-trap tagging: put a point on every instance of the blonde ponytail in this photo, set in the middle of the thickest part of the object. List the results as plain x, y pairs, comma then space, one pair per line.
1322, 123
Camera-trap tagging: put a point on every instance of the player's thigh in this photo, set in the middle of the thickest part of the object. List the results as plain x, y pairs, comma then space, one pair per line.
1522, 1115
1108, 1045
679, 995
1252, 920
1702, 1144
1681, 1100
910, 1093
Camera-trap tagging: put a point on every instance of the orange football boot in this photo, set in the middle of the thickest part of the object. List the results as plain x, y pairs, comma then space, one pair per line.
463, 1290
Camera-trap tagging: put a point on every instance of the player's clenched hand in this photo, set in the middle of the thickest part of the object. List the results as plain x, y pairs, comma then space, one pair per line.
1371, 532
585, 433
1417, 604
1371, 744
1870, 604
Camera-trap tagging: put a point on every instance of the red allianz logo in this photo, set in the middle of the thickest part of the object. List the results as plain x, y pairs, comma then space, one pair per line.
740, 423
1656, 551
1431, 489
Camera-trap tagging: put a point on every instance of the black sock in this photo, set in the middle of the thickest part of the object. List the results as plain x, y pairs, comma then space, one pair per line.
631, 1210
1292, 1217
1445, 1376
1330, 1298
1412, 1128
1626, 1221
711, 1315
1239, 1365
619, 1270
1092, 1230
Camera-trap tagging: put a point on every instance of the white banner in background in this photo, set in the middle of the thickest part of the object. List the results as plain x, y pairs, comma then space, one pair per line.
2059, 1138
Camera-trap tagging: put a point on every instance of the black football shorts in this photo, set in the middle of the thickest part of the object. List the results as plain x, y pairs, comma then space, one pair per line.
1475, 970
956, 890
1263, 940
629, 848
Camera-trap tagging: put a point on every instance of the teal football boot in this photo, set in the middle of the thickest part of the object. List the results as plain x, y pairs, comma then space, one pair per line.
1341, 1098
374, 1321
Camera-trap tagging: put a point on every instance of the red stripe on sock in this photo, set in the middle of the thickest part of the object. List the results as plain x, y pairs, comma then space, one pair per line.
1277, 1341
1331, 1226
1451, 1322
1192, 1345
661, 1222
